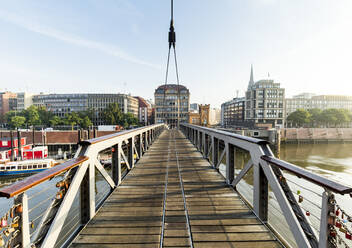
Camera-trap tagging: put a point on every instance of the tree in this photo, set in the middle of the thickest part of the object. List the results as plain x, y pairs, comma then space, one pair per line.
55, 121
130, 119
85, 122
17, 121
329, 117
45, 116
112, 115
299, 117
315, 117
73, 119
342, 116
32, 116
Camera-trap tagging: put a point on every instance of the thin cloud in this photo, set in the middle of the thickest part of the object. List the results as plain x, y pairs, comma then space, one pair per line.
73, 39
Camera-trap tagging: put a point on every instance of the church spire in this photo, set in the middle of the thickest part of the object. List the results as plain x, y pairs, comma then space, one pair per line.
251, 80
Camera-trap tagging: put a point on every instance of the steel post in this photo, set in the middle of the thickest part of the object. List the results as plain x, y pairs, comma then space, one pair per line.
230, 162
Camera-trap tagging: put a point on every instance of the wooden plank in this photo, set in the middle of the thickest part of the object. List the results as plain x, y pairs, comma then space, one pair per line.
260, 236
132, 215
121, 230
261, 244
119, 239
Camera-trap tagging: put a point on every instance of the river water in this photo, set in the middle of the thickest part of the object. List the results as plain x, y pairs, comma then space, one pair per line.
330, 160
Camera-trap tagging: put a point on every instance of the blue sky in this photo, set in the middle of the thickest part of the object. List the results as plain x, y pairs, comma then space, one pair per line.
121, 46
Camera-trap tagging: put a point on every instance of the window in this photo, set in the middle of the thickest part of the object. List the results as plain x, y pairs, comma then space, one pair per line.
40, 166
34, 166
19, 167
24, 167
29, 166
8, 167
2, 168
44, 165
13, 167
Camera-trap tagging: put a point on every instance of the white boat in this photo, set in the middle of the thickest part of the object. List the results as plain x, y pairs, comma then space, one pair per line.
26, 167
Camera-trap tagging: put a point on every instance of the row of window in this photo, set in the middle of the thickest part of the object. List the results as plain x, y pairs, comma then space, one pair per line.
24, 167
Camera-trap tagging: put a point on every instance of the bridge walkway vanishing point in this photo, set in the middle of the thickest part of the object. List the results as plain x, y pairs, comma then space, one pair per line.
174, 198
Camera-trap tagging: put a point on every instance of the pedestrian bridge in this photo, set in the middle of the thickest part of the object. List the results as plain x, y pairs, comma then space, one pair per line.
175, 188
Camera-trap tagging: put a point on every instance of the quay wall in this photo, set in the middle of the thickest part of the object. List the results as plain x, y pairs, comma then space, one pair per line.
316, 135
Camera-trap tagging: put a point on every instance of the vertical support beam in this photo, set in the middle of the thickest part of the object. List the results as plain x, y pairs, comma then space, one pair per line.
145, 141
139, 147
205, 145
230, 162
215, 149
116, 164
198, 140
327, 206
88, 194
260, 193
24, 236
130, 150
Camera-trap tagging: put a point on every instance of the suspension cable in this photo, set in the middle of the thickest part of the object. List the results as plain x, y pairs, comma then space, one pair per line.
172, 44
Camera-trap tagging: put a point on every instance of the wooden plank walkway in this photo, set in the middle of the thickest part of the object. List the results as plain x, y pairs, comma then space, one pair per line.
174, 198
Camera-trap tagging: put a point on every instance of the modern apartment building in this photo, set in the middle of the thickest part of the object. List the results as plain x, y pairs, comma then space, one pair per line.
145, 111
24, 100
166, 104
62, 104
265, 102
8, 102
310, 101
232, 112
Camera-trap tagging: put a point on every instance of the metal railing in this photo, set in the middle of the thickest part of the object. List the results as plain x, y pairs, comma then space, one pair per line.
219, 148
51, 207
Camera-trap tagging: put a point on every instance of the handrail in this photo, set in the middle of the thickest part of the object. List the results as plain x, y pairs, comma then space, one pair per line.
29, 182
233, 135
309, 176
114, 135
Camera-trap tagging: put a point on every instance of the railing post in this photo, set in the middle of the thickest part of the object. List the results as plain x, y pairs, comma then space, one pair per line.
130, 150
204, 144
198, 140
326, 221
215, 149
260, 193
149, 137
230, 162
88, 194
116, 164
145, 141
23, 237
139, 146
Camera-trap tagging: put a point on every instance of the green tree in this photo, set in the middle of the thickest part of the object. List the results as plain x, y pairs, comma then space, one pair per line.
112, 115
130, 119
315, 117
299, 118
73, 119
17, 121
32, 116
45, 116
329, 117
342, 116
9, 115
85, 122
55, 121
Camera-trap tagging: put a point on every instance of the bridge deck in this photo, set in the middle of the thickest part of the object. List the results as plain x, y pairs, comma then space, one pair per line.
174, 198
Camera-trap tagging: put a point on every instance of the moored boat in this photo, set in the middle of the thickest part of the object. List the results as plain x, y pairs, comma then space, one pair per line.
26, 167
